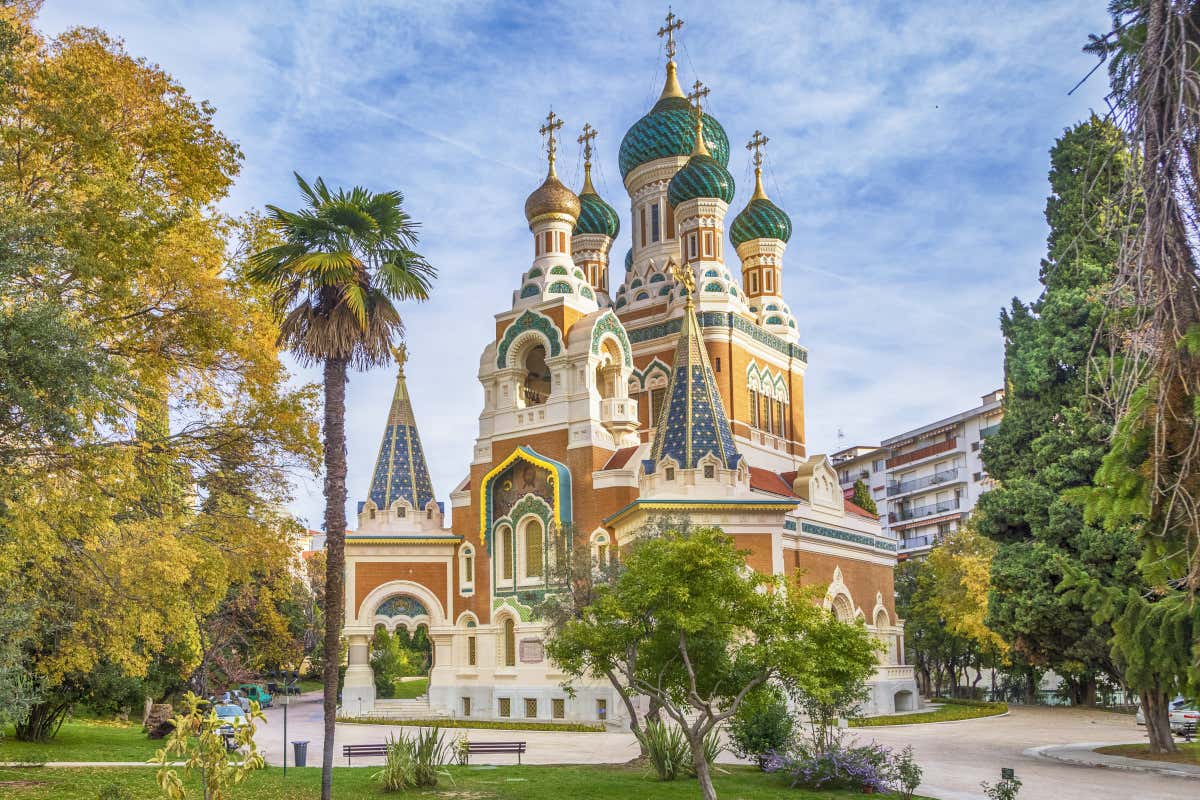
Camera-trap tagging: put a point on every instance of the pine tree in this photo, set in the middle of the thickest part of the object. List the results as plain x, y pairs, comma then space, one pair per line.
862, 497
1054, 434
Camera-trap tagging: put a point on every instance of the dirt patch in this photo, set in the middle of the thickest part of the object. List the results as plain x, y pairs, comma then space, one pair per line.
1188, 753
22, 784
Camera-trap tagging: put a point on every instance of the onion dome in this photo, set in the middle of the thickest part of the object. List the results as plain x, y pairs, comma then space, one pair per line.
552, 197
760, 219
595, 215
668, 131
629, 259
701, 176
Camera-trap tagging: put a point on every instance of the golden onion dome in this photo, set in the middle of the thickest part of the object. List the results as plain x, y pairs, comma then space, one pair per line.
552, 197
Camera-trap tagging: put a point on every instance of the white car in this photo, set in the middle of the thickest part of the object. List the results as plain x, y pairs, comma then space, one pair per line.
1184, 718
231, 718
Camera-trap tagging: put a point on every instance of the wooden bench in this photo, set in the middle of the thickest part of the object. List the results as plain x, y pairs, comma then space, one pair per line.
363, 750
495, 747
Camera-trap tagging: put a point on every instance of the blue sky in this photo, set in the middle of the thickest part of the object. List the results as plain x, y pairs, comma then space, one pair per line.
908, 144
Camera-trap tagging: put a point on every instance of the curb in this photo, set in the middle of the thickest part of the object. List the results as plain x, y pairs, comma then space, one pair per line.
1101, 761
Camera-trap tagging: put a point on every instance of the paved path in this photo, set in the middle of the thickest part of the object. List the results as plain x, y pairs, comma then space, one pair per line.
958, 755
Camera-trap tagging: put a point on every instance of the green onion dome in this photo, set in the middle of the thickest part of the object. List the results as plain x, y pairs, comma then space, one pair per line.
668, 130
629, 259
595, 215
702, 176
760, 219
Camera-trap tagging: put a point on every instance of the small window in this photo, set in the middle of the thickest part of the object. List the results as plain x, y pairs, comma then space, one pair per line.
510, 643
670, 222
548, 239
469, 569
466, 706
692, 245
505, 709
429, 513
718, 365
401, 512
709, 471
708, 243
769, 281
753, 283
562, 242
878, 466
601, 708
372, 514
655, 226
643, 226
472, 652
670, 473
656, 401
558, 708
530, 707
602, 555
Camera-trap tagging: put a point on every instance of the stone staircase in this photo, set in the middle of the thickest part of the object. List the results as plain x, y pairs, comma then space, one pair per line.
416, 708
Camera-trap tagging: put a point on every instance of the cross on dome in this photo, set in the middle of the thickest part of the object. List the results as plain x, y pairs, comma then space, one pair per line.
756, 145
696, 97
553, 124
674, 23
585, 139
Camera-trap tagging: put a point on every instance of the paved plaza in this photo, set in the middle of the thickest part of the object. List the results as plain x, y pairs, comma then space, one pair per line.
956, 755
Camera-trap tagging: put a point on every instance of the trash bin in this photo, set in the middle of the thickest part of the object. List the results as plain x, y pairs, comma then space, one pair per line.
300, 749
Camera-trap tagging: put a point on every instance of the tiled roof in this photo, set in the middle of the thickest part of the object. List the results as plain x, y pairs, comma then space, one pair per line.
693, 422
620, 458
400, 468
852, 508
764, 480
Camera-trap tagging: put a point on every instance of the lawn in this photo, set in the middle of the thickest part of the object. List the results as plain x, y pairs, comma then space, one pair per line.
83, 741
503, 783
410, 689
949, 711
1188, 753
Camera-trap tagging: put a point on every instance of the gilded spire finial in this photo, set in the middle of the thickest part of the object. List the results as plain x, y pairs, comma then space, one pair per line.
756, 145
553, 124
400, 356
585, 139
683, 275
696, 98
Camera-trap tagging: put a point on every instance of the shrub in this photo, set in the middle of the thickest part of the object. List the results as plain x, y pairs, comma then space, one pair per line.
906, 773
1003, 789
115, 791
840, 766
762, 725
413, 761
669, 751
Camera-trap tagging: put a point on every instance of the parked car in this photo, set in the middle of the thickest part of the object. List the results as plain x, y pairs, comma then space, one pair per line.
257, 693
1184, 717
233, 698
231, 718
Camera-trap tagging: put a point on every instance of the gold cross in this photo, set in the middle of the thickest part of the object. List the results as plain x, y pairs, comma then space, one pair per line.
674, 23
585, 139
553, 123
756, 144
697, 95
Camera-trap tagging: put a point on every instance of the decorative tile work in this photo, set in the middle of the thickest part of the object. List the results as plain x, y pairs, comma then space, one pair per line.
760, 219
702, 176
530, 290
559, 482
596, 216
789, 524
401, 605
847, 536
529, 321
586, 292
400, 468
559, 287
608, 323
669, 130
514, 604
558, 271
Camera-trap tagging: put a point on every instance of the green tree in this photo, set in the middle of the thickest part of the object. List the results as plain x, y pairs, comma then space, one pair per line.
687, 625
862, 497
1054, 432
143, 373
340, 264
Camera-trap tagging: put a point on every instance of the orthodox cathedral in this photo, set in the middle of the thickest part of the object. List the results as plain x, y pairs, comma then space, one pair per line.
670, 388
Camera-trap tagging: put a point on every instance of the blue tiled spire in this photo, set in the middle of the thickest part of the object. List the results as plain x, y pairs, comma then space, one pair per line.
400, 469
692, 422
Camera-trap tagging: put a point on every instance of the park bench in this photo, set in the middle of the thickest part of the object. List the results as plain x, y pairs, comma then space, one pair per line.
363, 750
495, 747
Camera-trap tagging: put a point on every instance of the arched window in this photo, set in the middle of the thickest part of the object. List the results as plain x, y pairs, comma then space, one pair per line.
779, 417
504, 553
466, 566
842, 609
510, 642
535, 387
534, 549
753, 409
600, 550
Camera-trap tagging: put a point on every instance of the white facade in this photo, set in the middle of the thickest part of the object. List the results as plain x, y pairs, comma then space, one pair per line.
926, 481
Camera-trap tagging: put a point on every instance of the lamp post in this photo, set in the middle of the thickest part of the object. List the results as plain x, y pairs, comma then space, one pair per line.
287, 680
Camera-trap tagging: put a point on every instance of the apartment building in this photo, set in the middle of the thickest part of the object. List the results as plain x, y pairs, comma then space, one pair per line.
925, 481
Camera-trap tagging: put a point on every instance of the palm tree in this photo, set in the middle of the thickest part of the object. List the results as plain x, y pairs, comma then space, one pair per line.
341, 263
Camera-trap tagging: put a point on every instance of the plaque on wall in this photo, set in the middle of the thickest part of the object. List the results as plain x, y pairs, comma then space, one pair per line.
532, 651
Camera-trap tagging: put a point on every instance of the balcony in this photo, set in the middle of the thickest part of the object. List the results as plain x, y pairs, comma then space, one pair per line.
990, 430
619, 415
857, 475
911, 543
924, 452
906, 514
945, 476
532, 397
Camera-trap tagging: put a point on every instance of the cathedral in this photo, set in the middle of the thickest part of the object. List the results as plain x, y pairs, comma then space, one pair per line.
611, 398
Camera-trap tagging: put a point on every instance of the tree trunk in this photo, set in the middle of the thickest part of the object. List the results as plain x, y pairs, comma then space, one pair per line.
43, 722
335, 553
700, 764
1156, 707
1089, 691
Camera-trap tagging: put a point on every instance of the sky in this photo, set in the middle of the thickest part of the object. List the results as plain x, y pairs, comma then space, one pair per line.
908, 142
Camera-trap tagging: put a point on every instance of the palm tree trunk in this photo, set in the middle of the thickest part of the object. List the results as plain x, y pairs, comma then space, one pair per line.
335, 553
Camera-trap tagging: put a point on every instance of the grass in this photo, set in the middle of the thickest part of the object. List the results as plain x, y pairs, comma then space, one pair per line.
309, 685
1188, 753
502, 783
410, 689
484, 724
949, 711
83, 741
